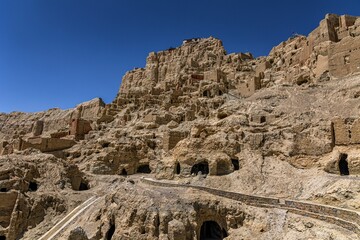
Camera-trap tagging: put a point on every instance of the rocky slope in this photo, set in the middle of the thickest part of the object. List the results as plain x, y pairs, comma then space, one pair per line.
285, 126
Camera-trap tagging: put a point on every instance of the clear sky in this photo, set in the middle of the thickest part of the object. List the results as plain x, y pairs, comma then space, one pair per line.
58, 53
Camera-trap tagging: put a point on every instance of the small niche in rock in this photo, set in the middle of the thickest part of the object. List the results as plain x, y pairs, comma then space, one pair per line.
343, 164
3, 190
105, 144
262, 119
178, 168
110, 232
144, 169
206, 93
84, 186
123, 172
33, 186
236, 164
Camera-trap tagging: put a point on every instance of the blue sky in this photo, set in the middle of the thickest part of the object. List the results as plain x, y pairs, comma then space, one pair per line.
58, 53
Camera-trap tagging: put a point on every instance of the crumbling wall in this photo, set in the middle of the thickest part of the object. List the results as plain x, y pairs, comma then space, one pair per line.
344, 57
346, 131
171, 138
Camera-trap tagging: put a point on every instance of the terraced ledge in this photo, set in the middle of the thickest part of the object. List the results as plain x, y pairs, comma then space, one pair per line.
54, 231
346, 218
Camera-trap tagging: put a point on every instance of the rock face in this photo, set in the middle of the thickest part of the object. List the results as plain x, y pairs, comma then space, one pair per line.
284, 125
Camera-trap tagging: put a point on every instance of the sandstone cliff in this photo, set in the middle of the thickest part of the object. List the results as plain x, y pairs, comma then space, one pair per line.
285, 126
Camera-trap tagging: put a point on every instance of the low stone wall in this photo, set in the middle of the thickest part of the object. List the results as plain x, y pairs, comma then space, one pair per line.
347, 219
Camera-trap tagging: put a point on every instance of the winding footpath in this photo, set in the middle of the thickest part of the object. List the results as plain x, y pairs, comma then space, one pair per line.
54, 231
346, 218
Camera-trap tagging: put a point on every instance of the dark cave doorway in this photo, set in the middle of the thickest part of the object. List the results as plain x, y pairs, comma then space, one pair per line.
123, 172
177, 168
235, 164
211, 230
144, 169
202, 167
343, 164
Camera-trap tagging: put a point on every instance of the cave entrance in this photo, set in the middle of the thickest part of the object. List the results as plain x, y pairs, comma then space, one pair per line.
33, 186
144, 169
177, 168
343, 164
236, 164
3, 190
123, 172
202, 167
2, 238
211, 230
84, 186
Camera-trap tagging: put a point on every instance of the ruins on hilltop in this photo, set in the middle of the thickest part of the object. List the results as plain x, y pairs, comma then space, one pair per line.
258, 148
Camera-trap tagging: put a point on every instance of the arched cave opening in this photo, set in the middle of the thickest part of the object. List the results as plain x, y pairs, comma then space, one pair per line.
84, 186
3, 190
2, 238
33, 186
144, 169
177, 168
110, 232
220, 93
211, 230
343, 164
236, 164
123, 172
202, 167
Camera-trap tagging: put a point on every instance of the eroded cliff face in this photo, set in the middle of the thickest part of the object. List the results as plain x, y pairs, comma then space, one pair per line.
285, 126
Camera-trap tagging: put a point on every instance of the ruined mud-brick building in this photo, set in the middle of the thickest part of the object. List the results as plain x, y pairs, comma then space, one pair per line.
196, 111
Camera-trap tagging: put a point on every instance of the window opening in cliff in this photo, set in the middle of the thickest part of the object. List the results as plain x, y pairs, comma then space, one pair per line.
84, 186
206, 93
3, 190
211, 230
178, 168
262, 119
33, 186
144, 169
202, 167
343, 164
236, 164
105, 144
2, 238
123, 172
110, 232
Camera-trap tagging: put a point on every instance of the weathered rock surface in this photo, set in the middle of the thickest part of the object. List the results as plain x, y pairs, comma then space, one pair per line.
284, 125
